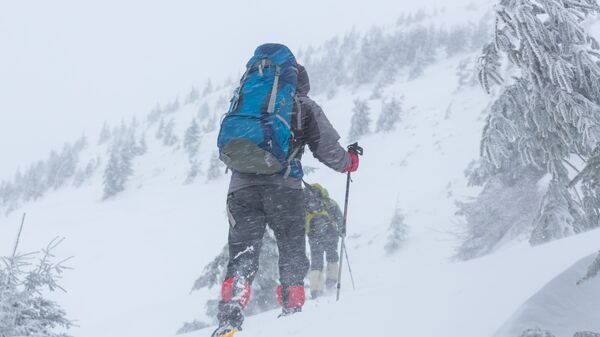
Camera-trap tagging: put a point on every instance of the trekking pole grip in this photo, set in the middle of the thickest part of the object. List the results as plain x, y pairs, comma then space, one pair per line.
355, 148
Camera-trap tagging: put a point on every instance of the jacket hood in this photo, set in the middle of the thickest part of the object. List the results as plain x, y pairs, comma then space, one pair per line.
303, 82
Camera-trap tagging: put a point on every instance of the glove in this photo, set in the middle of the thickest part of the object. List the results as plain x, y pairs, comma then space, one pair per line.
354, 164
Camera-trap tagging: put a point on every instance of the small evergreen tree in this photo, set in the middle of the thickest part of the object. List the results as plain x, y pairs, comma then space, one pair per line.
24, 310
142, 147
169, 138
390, 115
208, 88
193, 96
457, 41
35, 186
193, 173
171, 107
191, 144
211, 123
215, 168
5, 193
191, 140
203, 111
371, 56
155, 114
61, 166
423, 43
361, 120
104, 134
160, 131
83, 174
398, 232
119, 168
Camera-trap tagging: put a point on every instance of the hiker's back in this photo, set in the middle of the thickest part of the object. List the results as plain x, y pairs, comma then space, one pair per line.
256, 133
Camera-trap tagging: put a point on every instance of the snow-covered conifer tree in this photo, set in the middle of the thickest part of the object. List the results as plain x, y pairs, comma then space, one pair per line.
215, 168
104, 134
155, 114
191, 140
34, 178
361, 120
62, 166
5, 193
550, 110
423, 54
466, 74
119, 168
203, 111
500, 213
457, 41
191, 144
208, 88
371, 56
160, 131
83, 174
171, 107
142, 147
169, 138
559, 215
398, 232
390, 115
25, 309
193, 96
211, 123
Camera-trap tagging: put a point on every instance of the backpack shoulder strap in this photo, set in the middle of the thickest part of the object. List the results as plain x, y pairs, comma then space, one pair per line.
298, 112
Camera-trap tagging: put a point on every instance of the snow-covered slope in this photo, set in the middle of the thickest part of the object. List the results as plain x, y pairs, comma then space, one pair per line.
560, 306
137, 254
406, 296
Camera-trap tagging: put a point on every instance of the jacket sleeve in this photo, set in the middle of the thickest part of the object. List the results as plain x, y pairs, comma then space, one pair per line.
322, 139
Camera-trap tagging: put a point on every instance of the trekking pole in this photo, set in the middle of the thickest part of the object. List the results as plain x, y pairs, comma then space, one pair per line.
358, 151
349, 268
345, 252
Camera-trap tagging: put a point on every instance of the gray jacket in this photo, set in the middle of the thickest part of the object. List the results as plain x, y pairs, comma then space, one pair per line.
314, 130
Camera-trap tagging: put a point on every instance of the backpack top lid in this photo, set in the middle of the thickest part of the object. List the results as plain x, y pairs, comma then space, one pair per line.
277, 53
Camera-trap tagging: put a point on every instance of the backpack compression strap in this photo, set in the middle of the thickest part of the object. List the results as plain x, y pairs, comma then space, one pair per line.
273, 98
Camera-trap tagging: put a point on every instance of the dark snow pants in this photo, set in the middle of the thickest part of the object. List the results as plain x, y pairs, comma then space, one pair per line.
323, 240
250, 210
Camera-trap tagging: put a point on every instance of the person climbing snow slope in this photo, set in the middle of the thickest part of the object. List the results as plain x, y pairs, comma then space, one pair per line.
323, 218
262, 138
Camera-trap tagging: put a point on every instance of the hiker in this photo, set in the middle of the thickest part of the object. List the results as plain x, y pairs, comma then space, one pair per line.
262, 139
323, 219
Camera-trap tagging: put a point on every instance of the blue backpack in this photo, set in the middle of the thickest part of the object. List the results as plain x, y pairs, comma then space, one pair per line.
256, 135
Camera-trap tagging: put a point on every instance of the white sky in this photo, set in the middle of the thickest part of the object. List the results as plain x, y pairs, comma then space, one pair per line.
66, 66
